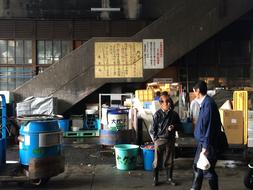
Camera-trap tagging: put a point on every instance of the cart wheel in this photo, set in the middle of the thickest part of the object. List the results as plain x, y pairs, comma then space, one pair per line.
248, 179
40, 181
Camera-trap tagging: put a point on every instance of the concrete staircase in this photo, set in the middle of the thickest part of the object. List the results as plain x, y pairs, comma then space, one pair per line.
184, 26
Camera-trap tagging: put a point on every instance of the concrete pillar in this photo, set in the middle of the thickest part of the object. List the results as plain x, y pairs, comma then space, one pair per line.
105, 15
131, 9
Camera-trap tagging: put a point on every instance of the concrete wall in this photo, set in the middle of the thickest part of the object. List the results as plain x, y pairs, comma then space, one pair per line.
77, 9
185, 25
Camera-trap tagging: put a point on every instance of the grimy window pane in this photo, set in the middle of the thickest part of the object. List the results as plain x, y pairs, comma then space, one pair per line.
20, 79
41, 49
19, 52
11, 78
42, 61
19, 48
41, 52
66, 48
11, 53
28, 48
27, 52
57, 50
3, 60
3, 78
49, 52
3, 48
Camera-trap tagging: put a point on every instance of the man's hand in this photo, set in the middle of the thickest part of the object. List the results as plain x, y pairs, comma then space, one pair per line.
171, 127
204, 151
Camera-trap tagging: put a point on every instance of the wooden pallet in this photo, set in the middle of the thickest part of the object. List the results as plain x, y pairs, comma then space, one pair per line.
81, 134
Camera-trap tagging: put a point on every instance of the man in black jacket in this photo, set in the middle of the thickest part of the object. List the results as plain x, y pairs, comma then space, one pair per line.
165, 123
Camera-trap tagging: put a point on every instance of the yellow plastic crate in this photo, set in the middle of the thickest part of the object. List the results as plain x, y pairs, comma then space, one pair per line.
165, 87
241, 103
145, 95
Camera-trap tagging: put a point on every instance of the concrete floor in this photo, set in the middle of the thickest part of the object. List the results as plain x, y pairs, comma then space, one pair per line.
88, 166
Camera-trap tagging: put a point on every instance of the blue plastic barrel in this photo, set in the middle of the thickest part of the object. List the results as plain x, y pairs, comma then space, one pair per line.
2, 152
64, 124
3, 132
126, 156
148, 157
40, 139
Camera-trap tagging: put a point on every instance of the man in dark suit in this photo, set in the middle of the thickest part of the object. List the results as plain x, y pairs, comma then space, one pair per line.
206, 133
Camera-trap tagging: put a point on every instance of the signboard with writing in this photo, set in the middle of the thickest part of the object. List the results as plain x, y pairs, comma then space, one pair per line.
163, 80
118, 60
153, 54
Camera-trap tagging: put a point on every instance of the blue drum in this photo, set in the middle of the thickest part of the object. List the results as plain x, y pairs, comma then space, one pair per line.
39, 139
3, 133
2, 152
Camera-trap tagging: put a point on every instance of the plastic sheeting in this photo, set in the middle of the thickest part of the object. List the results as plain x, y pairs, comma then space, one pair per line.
37, 105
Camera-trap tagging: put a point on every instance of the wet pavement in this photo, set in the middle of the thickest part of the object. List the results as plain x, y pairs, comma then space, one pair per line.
90, 166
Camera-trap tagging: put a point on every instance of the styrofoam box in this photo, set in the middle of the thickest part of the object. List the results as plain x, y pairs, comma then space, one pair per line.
250, 133
8, 96
250, 115
250, 142
250, 125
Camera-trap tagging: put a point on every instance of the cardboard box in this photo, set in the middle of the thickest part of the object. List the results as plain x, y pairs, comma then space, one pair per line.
233, 123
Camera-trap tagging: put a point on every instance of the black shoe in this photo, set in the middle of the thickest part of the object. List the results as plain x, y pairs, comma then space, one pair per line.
171, 182
155, 183
155, 177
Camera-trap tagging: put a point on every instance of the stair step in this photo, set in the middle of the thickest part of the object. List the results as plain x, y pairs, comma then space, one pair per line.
86, 133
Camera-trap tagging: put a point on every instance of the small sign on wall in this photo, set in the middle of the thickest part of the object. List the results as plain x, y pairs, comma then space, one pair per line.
153, 54
163, 80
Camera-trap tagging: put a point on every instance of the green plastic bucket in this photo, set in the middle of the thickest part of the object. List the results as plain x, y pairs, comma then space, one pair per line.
126, 156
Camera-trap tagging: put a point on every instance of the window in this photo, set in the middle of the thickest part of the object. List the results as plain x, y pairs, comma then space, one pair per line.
15, 63
15, 52
49, 52
12, 77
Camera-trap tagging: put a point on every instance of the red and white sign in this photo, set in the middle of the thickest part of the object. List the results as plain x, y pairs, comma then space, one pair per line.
153, 54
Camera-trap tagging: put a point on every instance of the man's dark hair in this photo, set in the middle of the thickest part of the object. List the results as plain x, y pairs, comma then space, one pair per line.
201, 85
164, 93
158, 93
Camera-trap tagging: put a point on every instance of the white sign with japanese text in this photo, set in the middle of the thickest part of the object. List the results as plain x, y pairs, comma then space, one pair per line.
153, 54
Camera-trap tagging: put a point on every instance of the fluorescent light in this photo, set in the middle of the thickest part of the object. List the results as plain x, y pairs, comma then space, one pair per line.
104, 9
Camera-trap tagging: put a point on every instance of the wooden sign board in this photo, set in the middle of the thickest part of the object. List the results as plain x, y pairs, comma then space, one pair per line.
118, 60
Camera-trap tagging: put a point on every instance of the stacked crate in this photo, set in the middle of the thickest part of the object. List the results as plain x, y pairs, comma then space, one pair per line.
91, 121
250, 128
145, 96
241, 104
